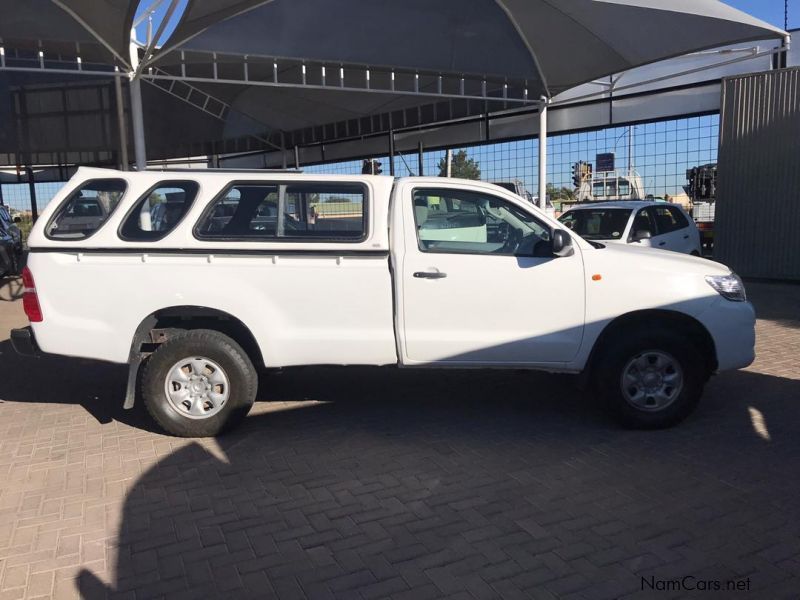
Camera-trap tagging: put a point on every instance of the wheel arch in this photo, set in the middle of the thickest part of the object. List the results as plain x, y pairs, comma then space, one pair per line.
693, 329
197, 317
157, 327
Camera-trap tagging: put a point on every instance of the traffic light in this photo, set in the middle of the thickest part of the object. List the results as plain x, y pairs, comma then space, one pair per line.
576, 174
371, 167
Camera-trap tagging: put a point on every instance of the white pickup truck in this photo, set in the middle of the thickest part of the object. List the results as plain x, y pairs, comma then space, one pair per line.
202, 277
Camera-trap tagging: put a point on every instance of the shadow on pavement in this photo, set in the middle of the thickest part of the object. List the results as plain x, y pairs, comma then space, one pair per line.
777, 302
96, 386
491, 484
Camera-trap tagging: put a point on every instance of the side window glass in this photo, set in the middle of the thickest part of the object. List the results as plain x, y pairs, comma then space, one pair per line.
665, 220
159, 211
86, 209
680, 219
466, 222
642, 222
302, 211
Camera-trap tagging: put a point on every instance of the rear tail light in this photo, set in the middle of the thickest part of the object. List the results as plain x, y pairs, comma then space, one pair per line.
30, 301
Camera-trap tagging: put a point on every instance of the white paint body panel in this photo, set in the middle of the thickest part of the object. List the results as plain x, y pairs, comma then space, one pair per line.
490, 309
322, 307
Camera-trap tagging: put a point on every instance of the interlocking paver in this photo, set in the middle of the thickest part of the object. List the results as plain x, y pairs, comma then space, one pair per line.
400, 484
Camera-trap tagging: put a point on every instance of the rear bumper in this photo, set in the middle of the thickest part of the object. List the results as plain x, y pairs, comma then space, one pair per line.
24, 342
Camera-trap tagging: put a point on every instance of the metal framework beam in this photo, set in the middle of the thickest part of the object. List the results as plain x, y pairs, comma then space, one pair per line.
310, 86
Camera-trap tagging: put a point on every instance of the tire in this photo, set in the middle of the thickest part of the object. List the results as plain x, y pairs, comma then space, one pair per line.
651, 398
218, 378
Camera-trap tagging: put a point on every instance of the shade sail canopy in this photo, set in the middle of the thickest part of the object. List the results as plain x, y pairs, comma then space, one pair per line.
245, 75
56, 26
549, 45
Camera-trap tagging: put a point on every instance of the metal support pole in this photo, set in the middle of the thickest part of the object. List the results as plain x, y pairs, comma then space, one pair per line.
32, 188
296, 158
448, 157
420, 156
391, 153
283, 150
121, 125
138, 123
543, 153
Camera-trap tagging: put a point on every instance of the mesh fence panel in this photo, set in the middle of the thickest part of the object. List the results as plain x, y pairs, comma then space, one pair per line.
17, 195
661, 154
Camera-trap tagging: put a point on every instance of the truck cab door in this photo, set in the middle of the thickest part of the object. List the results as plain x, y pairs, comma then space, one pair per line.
478, 283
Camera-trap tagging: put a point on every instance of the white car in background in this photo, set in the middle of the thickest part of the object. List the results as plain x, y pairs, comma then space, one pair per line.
652, 224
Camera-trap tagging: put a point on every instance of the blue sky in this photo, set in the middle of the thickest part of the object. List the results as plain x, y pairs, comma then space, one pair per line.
770, 11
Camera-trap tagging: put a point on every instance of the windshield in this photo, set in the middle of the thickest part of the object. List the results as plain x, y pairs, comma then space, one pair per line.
597, 223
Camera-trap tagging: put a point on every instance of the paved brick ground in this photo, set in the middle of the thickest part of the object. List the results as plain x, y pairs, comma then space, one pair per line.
371, 483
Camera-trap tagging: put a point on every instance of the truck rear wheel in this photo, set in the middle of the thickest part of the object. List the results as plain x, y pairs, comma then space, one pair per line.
199, 383
650, 379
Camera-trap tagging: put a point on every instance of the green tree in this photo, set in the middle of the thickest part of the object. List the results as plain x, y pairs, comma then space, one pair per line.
561, 193
463, 166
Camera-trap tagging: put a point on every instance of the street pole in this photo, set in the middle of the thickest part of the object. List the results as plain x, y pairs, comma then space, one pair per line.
448, 155
137, 114
121, 126
391, 153
32, 188
137, 118
420, 156
543, 153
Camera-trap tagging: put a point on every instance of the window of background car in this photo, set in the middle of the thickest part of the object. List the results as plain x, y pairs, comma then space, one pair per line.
86, 209
666, 220
322, 212
597, 224
642, 222
461, 221
159, 211
679, 217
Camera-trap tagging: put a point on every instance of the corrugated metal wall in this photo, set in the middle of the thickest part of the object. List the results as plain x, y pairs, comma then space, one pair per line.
757, 229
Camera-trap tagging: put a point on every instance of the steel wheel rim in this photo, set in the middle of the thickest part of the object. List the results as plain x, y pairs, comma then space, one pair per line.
197, 387
652, 380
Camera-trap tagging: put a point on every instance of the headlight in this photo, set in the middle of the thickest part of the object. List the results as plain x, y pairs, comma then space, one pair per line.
729, 287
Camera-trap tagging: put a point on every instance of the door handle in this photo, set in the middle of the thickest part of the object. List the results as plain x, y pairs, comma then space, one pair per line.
661, 243
686, 237
430, 275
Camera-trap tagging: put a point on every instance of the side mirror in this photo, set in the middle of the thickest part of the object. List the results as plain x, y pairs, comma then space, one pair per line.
562, 244
641, 234
17, 219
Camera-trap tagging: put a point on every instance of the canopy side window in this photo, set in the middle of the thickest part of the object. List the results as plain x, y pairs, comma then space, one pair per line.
304, 211
86, 209
159, 211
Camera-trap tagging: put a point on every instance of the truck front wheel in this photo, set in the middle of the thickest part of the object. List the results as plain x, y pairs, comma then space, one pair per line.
650, 379
199, 383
